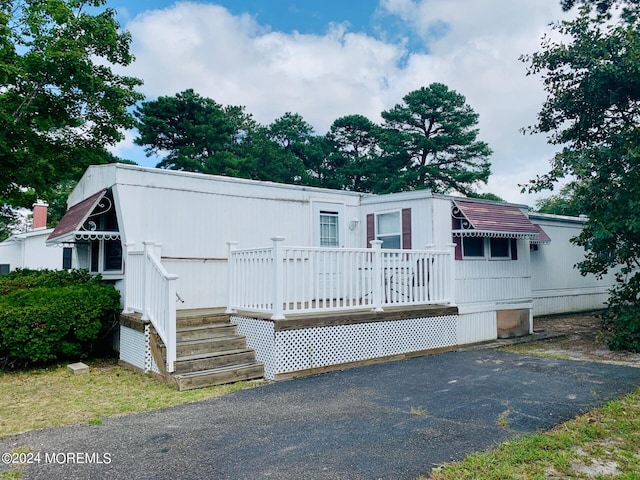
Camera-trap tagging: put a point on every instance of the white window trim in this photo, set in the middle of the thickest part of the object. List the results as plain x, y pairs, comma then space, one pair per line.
336, 215
317, 207
474, 257
398, 234
507, 257
101, 261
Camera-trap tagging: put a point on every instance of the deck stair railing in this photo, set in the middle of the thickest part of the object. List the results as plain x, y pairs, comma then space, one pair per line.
283, 280
151, 291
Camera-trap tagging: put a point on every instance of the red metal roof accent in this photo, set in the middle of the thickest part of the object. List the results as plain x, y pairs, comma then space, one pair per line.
495, 217
541, 237
76, 216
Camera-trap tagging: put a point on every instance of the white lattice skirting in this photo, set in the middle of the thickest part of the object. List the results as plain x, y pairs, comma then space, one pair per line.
305, 348
135, 349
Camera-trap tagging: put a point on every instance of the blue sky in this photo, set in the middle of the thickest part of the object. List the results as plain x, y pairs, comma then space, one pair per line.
326, 59
304, 16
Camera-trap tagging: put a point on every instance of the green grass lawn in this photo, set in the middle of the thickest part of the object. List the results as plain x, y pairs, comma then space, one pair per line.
602, 444
54, 396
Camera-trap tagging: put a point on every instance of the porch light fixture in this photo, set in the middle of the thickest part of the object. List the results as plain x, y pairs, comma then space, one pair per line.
354, 223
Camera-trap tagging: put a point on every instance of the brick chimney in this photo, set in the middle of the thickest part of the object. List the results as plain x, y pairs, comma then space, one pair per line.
40, 215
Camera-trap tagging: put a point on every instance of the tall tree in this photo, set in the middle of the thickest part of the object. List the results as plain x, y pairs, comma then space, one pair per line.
436, 131
195, 133
602, 7
562, 203
355, 152
60, 101
592, 113
265, 159
292, 133
319, 172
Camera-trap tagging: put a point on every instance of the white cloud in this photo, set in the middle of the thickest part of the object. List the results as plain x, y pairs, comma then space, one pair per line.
237, 61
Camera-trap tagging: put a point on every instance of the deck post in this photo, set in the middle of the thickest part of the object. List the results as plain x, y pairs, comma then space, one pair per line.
278, 279
376, 278
231, 276
452, 272
129, 286
146, 274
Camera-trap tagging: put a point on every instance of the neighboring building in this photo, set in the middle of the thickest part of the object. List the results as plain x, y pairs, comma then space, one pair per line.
28, 249
302, 280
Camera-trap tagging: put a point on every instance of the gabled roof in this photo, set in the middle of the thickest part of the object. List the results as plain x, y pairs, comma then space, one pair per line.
71, 228
491, 220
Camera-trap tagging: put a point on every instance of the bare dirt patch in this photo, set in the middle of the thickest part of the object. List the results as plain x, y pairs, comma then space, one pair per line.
582, 339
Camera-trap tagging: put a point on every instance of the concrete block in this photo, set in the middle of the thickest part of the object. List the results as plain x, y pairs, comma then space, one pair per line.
78, 368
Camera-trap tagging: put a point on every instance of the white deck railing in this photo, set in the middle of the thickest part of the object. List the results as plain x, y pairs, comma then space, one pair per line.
281, 280
151, 291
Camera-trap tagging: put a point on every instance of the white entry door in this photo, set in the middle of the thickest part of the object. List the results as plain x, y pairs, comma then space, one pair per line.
328, 267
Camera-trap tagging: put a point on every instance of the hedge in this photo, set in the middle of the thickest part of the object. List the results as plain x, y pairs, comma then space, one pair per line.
53, 315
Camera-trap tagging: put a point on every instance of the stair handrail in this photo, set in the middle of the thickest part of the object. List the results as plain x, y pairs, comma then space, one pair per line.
151, 291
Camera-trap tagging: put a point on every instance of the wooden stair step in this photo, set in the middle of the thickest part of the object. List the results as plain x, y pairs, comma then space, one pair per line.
209, 351
219, 376
199, 356
192, 318
205, 331
218, 360
194, 347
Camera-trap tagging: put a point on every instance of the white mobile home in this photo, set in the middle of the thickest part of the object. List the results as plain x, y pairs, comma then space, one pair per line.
556, 286
28, 249
312, 278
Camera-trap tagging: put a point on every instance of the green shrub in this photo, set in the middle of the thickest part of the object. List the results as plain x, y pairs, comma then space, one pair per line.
21, 279
51, 315
621, 319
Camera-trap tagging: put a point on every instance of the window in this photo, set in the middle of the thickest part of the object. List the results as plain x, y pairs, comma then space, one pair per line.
105, 256
473, 247
112, 251
66, 258
4, 268
329, 231
486, 248
388, 229
499, 248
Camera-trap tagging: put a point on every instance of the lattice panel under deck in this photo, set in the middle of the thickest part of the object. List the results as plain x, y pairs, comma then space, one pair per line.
260, 337
149, 362
333, 345
300, 349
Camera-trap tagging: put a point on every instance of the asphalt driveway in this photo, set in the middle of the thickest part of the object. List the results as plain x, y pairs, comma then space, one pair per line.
393, 420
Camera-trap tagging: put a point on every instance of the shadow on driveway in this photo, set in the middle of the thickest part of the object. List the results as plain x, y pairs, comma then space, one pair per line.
394, 420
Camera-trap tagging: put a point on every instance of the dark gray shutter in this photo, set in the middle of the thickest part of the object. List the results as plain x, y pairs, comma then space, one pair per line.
371, 229
406, 228
458, 250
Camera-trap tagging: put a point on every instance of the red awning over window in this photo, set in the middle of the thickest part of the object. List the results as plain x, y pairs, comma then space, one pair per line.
74, 219
541, 238
491, 220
